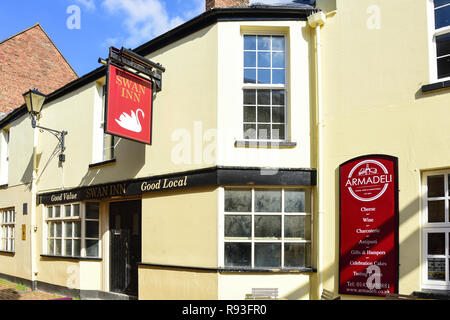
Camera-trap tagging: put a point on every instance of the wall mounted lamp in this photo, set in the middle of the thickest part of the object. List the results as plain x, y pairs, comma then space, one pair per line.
34, 101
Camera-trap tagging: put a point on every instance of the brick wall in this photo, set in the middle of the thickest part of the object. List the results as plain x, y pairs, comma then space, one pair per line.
226, 3
28, 60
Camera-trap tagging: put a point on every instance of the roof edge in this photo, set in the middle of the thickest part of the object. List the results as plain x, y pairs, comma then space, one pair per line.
223, 14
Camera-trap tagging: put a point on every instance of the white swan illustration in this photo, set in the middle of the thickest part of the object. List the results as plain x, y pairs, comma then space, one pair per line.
131, 122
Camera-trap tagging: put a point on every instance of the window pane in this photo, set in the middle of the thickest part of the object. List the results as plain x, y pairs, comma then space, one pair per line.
443, 65
436, 243
268, 226
58, 229
238, 226
278, 60
438, 3
297, 227
278, 132
249, 42
297, 255
436, 211
278, 43
443, 45
268, 200
57, 212
263, 114
51, 229
264, 59
250, 97
92, 210
77, 229
108, 150
77, 248
442, 17
278, 114
296, 200
263, 42
237, 254
92, 248
50, 246
264, 131
435, 186
238, 200
263, 76
267, 255
92, 229
68, 229
249, 131
249, 75
68, 247
250, 59
278, 76
58, 247
50, 212
264, 97
67, 210
249, 114
76, 210
436, 269
278, 97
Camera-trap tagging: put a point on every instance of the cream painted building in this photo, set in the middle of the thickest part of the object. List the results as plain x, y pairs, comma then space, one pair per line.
239, 189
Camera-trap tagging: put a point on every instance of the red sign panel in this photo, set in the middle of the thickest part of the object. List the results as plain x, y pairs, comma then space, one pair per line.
368, 263
128, 111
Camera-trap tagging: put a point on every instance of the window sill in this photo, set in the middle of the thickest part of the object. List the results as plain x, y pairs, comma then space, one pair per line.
267, 270
433, 294
233, 270
10, 253
102, 164
435, 86
71, 258
264, 144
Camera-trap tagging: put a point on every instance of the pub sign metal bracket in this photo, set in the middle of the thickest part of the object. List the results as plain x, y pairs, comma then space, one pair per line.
139, 64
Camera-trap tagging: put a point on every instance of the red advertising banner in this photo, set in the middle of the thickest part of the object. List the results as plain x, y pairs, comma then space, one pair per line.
128, 111
368, 263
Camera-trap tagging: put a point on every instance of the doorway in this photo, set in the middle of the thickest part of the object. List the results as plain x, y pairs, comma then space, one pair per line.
125, 246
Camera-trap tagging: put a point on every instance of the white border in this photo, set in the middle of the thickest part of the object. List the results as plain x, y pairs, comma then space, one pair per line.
435, 227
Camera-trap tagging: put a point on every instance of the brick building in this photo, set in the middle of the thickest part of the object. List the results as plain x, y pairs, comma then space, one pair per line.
30, 59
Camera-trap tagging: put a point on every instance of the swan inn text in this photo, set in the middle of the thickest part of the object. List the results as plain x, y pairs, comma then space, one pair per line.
130, 89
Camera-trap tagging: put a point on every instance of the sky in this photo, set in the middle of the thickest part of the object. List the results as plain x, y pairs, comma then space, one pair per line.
83, 30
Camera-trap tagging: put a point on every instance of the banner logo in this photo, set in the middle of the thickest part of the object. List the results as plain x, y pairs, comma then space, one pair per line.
368, 180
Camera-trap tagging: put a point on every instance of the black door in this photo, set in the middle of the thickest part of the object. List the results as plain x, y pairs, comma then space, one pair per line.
125, 246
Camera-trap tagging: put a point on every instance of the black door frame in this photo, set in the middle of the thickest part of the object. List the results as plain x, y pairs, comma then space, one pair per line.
137, 243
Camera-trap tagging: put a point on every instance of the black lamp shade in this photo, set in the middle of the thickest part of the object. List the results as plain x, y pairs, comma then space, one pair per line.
34, 100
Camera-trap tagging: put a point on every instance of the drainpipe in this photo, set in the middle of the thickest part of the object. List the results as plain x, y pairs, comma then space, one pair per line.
315, 21
33, 228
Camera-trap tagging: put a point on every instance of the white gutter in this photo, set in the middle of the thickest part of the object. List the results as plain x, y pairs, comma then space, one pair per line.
315, 21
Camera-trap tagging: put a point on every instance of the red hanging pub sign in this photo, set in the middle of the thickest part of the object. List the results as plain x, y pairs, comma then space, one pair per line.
368, 263
128, 111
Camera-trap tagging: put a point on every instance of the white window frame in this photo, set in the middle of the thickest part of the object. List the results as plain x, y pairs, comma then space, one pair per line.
433, 33
437, 227
4, 156
63, 220
7, 229
257, 86
102, 142
221, 226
